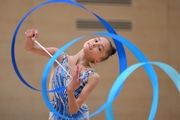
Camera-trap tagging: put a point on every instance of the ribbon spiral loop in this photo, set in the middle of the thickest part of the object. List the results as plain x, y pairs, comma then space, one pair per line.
124, 71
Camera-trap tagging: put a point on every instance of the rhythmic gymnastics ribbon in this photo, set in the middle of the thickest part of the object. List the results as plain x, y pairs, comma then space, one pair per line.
115, 90
121, 53
171, 72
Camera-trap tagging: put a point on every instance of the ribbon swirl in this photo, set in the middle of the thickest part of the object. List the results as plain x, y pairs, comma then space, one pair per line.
124, 71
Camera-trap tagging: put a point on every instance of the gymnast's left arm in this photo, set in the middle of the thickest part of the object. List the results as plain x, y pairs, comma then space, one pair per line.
75, 104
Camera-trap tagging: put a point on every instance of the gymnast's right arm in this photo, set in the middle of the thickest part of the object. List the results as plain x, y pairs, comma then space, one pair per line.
32, 34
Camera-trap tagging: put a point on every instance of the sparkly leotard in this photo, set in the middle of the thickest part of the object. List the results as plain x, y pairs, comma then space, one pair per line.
60, 101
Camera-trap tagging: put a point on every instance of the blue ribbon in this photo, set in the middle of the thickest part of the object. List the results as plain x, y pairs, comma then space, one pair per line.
119, 82
121, 53
124, 73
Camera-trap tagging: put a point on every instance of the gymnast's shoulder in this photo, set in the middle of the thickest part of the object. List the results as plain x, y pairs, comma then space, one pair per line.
94, 78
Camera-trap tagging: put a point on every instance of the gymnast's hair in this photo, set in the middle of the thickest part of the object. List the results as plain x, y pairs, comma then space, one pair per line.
110, 52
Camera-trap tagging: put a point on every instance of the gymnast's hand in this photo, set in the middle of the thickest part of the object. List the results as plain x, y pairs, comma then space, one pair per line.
32, 34
76, 81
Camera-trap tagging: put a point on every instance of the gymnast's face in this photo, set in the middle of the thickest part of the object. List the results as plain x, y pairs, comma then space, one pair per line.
96, 48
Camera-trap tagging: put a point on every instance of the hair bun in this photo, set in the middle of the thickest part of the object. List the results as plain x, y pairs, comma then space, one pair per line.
113, 51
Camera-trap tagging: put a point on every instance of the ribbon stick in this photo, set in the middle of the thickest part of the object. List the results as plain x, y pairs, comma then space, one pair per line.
55, 60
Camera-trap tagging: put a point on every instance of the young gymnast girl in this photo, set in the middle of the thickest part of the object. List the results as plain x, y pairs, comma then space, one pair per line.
71, 101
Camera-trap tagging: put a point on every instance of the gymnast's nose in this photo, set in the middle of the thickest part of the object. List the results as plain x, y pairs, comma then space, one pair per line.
95, 44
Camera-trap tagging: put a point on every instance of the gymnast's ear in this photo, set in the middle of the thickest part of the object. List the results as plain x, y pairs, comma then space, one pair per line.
96, 61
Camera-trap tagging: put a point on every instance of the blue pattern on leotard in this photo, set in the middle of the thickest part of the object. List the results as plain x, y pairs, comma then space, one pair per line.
60, 103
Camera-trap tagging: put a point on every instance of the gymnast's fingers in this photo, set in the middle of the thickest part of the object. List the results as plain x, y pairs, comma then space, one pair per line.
79, 71
28, 33
35, 35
